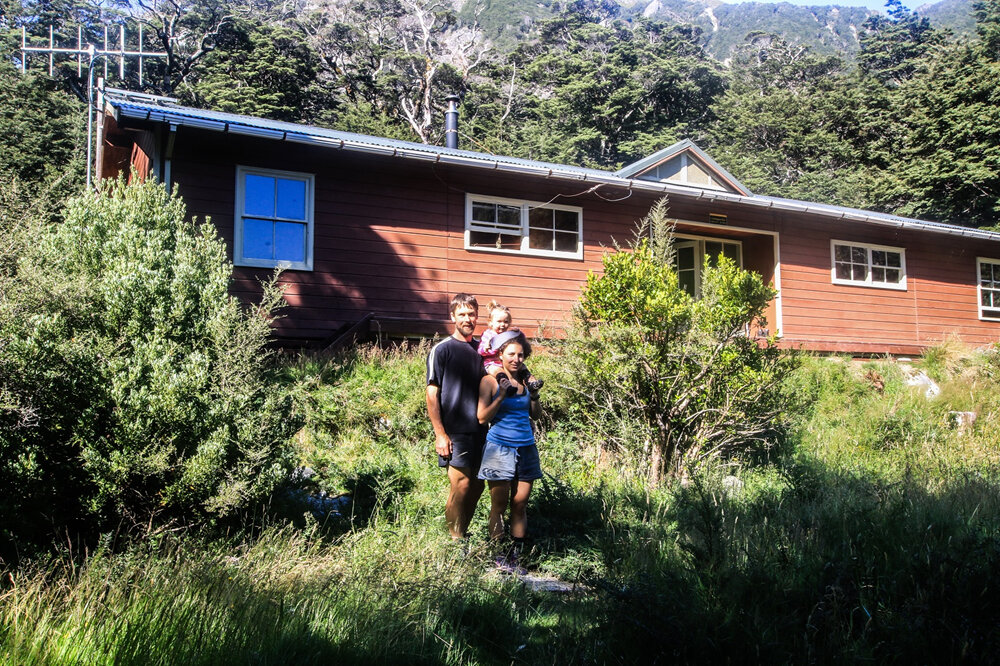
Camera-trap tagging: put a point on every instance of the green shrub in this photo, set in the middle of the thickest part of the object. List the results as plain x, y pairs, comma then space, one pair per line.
669, 376
136, 389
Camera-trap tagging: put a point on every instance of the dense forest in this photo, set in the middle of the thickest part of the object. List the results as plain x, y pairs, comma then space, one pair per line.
910, 124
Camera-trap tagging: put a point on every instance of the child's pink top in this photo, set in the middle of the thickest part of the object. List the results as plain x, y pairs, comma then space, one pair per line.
490, 357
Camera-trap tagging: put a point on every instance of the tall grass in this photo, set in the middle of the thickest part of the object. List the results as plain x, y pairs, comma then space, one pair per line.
873, 536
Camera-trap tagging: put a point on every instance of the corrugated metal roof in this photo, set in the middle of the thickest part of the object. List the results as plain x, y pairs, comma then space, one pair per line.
165, 109
140, 106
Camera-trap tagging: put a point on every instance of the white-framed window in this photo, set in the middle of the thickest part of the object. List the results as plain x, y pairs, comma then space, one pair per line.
867, 265
274, 219
988, 271
494, 224
692, 255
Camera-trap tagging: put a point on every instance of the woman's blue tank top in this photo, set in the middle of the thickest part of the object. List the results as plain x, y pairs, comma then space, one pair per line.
512, 424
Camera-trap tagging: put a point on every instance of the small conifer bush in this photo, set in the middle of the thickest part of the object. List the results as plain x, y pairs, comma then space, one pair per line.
136, 392
676, 379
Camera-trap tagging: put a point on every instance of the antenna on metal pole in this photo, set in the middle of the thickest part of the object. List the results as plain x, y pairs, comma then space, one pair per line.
93, 54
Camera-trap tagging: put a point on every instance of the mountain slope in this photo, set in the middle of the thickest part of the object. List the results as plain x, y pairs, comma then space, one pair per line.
823, 28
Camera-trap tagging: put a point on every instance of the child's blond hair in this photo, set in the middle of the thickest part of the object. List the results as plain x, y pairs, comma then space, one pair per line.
495, 305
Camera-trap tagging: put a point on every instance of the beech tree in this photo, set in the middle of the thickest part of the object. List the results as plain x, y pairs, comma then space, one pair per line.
893, 45
400, 58
605, 91
261, 69
795, 124
947, 163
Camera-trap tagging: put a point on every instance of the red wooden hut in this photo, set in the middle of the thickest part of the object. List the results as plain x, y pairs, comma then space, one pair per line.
364, 225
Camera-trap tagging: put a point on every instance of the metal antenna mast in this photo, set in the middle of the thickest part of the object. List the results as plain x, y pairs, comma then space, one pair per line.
92, 53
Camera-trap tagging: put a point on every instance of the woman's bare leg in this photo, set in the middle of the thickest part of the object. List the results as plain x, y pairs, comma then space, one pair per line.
499, 499
519, 510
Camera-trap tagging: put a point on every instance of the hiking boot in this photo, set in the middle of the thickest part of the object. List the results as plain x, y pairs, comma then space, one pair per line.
507, 564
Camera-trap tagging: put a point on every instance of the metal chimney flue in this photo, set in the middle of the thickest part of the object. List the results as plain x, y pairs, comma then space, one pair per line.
451, 123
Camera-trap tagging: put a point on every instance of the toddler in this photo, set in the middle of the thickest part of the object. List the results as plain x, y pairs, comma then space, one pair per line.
498, 323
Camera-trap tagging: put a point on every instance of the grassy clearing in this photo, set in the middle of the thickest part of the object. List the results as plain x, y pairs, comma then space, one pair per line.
873, 533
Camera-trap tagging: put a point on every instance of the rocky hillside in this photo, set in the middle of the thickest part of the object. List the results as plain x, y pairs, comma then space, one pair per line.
824, 28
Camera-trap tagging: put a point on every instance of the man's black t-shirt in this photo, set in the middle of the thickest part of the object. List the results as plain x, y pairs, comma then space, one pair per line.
455, 367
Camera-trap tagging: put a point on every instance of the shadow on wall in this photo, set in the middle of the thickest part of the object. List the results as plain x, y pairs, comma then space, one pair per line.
380, 232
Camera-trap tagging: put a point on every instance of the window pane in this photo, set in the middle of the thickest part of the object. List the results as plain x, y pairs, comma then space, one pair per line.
713, 249
892, 275
843, 271
566, 242
258, 193
859, 255
484, 212
540, 239
258, 239
509, 216
878, 258
992, 275
289, 241
495, 240
540, 218
291, 199
686, 280
842, 252
878, 274
986, 299
732, 251
567, 220
860, 272
685, 258
894, 260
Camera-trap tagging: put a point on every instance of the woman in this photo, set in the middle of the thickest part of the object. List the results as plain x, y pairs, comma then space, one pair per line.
510, 459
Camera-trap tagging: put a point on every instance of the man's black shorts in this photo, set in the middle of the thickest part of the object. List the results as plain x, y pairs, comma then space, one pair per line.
466, 451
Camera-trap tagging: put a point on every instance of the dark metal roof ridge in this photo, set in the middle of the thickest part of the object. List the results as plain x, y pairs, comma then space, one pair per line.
140, 105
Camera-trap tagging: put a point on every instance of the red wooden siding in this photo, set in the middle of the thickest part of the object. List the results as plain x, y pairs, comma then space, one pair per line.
940, 299
389, 239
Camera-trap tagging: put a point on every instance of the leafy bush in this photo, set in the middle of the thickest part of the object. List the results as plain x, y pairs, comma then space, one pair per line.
135, 389
662, 372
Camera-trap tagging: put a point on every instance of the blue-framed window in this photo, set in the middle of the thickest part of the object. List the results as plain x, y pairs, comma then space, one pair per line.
274, 219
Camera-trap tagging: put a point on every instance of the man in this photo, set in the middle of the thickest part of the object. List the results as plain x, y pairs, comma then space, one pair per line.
454, 369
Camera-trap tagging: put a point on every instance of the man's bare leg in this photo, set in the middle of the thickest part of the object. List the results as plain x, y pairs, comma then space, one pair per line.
462, 499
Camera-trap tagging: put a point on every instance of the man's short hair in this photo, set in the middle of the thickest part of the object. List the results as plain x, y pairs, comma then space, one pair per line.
463, 299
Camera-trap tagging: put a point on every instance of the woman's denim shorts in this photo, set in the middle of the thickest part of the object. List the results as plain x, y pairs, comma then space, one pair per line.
507, 463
